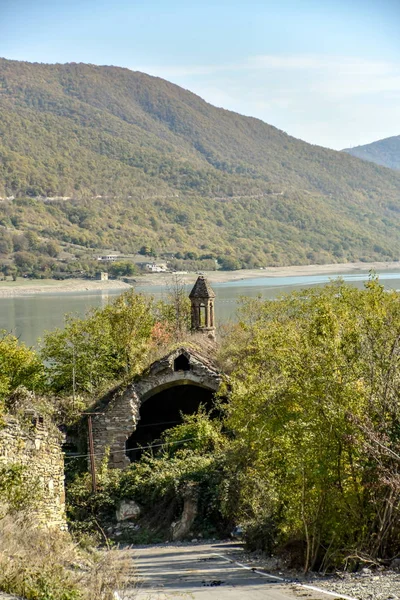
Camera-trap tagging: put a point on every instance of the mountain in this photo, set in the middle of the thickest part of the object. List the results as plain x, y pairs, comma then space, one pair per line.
383, 152
139, 161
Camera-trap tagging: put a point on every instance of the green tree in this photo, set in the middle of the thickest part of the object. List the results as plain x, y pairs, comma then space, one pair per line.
311, 373
19, 365
122, 269
106, 345
25, 261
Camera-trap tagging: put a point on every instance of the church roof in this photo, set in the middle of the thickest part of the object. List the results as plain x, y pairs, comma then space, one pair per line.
202, 289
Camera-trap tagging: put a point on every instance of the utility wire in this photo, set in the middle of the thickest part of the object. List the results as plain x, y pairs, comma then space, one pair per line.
154, 424
70, 457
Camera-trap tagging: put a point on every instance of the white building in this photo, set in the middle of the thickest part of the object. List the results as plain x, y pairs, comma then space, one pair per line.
108, 258
153, 268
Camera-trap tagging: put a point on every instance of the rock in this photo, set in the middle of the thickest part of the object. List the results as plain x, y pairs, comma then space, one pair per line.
395, 564
127, 509
181, 529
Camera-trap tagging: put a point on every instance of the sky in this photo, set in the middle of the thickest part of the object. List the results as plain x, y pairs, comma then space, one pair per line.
325, 71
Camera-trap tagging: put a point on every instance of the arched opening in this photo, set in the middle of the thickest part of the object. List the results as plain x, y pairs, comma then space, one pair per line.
203, 317
163, 411
181, 363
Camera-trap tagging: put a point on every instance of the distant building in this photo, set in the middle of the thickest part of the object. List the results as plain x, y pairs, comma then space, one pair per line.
153, 268
108, 257
102, 276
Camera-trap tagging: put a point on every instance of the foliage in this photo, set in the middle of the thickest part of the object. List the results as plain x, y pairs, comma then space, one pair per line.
157, 482
47, 565
19, 365
110, 343
103, 157
122, 269
311, 375
18, 491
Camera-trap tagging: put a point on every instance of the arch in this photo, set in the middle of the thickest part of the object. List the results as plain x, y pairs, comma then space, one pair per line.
153, 391
163, 410
156, 382
120, 410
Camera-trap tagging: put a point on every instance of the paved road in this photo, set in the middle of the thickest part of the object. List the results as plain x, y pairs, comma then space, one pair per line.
200, 572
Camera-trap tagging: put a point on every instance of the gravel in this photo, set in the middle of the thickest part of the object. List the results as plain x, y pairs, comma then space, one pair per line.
367, 584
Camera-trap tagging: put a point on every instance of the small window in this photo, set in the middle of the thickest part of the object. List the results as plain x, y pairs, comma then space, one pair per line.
203, 317
181, 363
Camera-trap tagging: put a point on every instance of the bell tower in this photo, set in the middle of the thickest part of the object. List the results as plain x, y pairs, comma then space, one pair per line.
202, 299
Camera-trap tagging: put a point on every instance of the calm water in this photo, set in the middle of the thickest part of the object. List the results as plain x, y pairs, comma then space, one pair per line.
29, 317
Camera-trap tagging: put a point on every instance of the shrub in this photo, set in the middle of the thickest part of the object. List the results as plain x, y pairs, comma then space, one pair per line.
42, 565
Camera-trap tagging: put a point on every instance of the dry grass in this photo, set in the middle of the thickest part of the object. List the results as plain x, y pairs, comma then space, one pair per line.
39, 564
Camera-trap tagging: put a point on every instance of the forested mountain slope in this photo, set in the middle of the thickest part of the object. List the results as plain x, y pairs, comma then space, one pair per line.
383, 152
145, 162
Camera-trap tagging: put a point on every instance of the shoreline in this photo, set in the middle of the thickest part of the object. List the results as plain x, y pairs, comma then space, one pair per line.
269, 272
23, 287
34, 287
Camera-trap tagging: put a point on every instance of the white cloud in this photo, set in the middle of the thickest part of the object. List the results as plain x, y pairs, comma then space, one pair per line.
335, 101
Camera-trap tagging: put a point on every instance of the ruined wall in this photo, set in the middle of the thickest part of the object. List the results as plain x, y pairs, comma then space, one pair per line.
36, 445
112, 428
120, 410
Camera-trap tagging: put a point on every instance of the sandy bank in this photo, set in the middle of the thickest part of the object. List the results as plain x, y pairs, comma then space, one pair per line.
23, 287
293, 271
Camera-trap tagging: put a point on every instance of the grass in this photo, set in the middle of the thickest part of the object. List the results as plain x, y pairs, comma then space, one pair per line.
39, 564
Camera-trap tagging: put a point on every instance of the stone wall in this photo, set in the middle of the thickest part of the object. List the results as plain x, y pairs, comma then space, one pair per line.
31, 442
119, 411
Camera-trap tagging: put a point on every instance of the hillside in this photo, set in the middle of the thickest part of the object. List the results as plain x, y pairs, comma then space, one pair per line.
383, 152
140, 161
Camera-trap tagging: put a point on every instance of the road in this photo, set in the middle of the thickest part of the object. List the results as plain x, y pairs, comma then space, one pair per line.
207, 571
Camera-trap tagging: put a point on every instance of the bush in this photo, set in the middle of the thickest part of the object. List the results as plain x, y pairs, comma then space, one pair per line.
158, 482
42, 565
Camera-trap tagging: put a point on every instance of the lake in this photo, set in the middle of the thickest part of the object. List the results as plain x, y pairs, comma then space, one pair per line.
28, 317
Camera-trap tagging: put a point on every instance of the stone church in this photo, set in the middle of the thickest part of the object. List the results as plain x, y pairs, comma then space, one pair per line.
131, 418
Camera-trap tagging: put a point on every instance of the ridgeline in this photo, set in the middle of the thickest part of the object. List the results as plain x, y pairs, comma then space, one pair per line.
383, 152
140, 161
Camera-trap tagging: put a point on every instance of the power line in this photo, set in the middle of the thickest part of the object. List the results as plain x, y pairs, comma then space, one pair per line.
154, 424
70, 457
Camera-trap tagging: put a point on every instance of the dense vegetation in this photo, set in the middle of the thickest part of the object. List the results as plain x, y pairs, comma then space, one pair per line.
383, 152
304, 454
306, 457
141, 162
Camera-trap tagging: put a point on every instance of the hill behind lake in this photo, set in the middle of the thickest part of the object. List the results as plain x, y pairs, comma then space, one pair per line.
140, 161
383, 152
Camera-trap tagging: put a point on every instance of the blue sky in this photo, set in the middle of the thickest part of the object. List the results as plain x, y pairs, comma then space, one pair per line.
326, 72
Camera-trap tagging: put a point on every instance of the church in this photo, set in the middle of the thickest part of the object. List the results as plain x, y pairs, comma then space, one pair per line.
130, 418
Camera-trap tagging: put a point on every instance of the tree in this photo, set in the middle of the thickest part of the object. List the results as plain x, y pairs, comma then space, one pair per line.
122, 269
52, 248
228, 264
19, 365
311, 373
147, 251
108, 344
24, 260
177, 310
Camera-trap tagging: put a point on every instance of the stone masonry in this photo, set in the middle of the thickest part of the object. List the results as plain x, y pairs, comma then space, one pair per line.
120, 409
31, 442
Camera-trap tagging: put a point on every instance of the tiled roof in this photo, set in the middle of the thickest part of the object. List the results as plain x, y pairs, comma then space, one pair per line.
202, 289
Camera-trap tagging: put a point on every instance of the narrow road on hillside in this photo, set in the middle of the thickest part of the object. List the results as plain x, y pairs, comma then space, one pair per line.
207, 571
